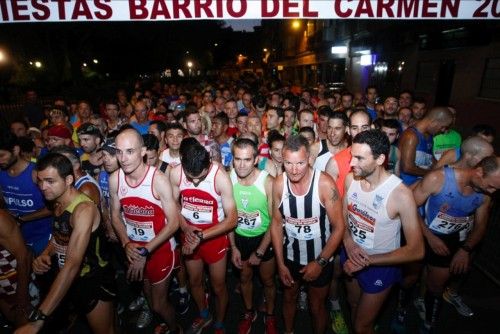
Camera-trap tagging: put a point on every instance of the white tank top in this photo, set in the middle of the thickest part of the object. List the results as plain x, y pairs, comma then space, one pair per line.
202, 204
166, 157
369, 223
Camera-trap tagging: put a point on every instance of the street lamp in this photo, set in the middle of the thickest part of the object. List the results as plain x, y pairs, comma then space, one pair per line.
296, 24
95, 61
38, 64
3, 57
190, 66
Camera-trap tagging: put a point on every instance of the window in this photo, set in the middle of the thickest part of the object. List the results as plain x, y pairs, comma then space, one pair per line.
490, 83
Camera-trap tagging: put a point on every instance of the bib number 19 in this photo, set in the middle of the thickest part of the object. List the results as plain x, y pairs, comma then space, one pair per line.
138, 231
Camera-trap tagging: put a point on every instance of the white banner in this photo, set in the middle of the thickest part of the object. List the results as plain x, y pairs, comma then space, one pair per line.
12, 11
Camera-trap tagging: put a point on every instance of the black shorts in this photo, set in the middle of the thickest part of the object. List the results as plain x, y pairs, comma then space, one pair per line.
88, 290
323, 279
453, 243
248, 245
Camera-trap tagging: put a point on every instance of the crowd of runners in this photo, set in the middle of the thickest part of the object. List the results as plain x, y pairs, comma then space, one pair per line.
309, 190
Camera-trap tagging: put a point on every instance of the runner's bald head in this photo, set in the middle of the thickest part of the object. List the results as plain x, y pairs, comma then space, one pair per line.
131, 134
440, 114
476, 145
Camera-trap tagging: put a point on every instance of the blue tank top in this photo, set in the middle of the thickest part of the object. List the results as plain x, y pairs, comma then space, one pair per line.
103, 181
450, 211
423, 157
22, 196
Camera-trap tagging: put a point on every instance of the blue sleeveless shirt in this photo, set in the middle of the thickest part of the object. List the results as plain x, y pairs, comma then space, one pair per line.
22, 196
423, 157
450, 211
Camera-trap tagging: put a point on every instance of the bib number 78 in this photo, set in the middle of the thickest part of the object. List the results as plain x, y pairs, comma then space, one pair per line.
303, 229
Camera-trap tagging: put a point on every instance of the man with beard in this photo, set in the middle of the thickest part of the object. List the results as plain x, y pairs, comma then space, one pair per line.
21, 195
193, 126
377, 205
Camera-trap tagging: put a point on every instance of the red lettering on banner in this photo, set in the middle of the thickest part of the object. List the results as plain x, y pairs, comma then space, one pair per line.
307, 11
43, 11
426, 6
451, 6
5, 13
364, 8
199, 6
265, 12
138, 11
385, 6
106, 11
16, 11
159, 9
232, 12
287, 6
219, 8
408, 8
81, 9
338, 9
178, 7
61, 9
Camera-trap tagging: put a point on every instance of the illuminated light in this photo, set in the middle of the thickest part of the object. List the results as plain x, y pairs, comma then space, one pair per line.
366, 60
84, 64
38, 64
240, 55
363, 52
264, 49
400, 68
95, 61
187, 52
295, 24
190, 64
215, 44
280, 67
338, 50
3, 57
31, 63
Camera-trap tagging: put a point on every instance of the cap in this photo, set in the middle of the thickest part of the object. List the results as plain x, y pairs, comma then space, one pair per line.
109, 146
89, 129
59, 130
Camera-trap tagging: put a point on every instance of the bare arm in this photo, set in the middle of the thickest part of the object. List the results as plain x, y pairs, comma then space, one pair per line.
87, 216
332, 168
447, 158
403, 204
116, 217
329, 196
225, 188
266, 240
277, 221
480, 223
163, 190
408, 148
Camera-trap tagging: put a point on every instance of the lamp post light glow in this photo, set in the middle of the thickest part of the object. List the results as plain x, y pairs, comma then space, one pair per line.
38, 64
296, 24
95, 61
3, 57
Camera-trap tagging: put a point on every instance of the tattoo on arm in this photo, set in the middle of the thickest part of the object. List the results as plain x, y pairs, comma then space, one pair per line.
334, 196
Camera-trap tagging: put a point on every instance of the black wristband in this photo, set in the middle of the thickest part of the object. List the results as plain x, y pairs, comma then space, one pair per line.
321, 261
466, 248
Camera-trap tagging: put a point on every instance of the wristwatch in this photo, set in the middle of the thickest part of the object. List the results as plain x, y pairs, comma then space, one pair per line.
199, 234
143, 251
321, 261
36, 315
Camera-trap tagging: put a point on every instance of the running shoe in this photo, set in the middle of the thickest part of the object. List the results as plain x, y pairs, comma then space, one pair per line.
339, 325
270, 324
183, 303
457, 301
198, 324
144, 319
245, 325
419, 304
137, 303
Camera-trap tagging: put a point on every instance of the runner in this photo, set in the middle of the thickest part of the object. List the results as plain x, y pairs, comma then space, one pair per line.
209, 212
149, 221
376, 206
307, 228
78, 247
251, 240
456, 214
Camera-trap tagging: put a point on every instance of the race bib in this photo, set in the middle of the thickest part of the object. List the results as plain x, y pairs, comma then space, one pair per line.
362, 232
249, 221
446, 224
197, 214
140, 231
60, 252
303, 228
